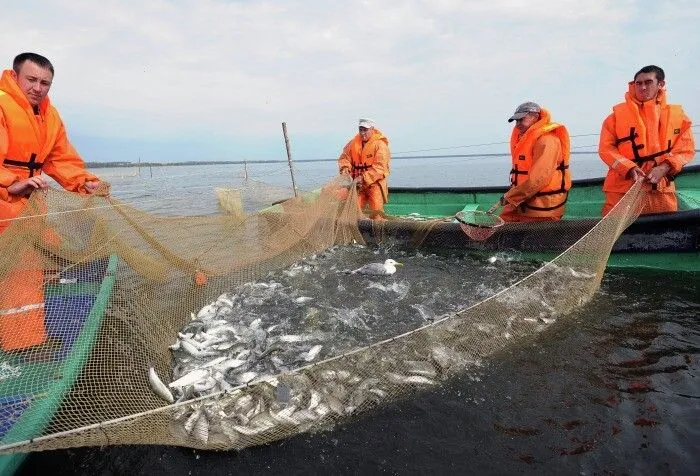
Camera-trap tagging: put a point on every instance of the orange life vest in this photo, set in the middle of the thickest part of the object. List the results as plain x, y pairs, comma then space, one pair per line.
631, 132
364, 157
31, 141
555, 194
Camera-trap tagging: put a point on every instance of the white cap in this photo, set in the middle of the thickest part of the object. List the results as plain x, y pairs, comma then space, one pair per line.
368, 123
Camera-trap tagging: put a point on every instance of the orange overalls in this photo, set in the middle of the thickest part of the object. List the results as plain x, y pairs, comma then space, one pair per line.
371, 162
31, 142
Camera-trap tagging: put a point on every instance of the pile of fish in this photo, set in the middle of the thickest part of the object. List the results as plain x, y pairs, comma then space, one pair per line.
260, 382
272, 407
264, 362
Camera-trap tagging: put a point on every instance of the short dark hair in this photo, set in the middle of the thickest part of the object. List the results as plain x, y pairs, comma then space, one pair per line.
651, 69
35, 58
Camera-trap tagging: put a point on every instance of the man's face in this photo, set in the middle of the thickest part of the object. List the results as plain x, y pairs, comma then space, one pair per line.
646, 86
527, 121
34, 81
365, 133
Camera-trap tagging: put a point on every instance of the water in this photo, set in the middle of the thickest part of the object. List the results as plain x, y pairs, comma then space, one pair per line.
612, 390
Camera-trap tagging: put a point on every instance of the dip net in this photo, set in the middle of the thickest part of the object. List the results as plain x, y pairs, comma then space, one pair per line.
142, 338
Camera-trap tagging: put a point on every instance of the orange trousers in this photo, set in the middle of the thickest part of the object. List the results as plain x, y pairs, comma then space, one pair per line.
22, 304
655, 202
373, 198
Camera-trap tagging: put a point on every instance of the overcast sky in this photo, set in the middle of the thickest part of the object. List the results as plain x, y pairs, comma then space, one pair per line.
213, 80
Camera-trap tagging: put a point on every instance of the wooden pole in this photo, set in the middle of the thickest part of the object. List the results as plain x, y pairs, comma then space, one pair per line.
289, 158
245, 169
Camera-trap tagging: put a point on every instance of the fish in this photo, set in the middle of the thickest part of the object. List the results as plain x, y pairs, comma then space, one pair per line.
314, 400
189, 378
246, 377
417, 379
204, 385
303, 299
159, 387
207, 312
418, 367
192, 419
224, 299
313, 353
285, 416
189, 347
250, 431
255, 324
200, 431
289, 338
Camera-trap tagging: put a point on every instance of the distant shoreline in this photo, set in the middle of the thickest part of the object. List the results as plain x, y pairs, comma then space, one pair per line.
97, 165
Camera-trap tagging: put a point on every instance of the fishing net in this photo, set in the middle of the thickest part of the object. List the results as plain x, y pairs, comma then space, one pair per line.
143, 333
478, 225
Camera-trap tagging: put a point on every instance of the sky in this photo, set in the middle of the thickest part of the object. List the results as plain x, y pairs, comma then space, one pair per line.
186, 80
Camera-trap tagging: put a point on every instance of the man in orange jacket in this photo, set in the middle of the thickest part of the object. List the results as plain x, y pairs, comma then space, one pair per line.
540, 178
645, 139
33, 141
366, 159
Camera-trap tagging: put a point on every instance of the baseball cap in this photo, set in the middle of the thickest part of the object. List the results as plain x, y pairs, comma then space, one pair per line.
368, 123
525, 108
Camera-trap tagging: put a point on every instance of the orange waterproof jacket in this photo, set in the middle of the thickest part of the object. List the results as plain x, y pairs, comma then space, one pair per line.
33, 143
645, 135
540, 178
370, 161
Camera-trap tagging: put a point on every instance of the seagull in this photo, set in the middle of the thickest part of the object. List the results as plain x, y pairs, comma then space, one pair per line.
378, 269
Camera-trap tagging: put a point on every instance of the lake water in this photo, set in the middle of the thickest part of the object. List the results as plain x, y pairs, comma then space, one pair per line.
615, 389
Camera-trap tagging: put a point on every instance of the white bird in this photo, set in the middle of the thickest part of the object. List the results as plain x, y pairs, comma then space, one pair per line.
378, 269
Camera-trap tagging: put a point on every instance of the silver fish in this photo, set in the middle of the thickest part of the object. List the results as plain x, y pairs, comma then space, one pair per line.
158, 386
200, 431
313, 353
189, 378
189, 424
246, 377
417, 379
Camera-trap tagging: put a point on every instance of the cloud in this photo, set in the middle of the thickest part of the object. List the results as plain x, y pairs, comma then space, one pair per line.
433, 74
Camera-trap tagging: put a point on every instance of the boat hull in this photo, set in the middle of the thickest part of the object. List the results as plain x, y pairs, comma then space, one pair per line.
663, 241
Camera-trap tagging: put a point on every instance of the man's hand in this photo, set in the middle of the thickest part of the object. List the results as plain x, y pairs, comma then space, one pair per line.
358, 182
25, 187
91, 186
658, 172
636, 174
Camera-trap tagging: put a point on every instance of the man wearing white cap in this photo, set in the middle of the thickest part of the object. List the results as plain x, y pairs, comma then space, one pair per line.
366, 159
540, 178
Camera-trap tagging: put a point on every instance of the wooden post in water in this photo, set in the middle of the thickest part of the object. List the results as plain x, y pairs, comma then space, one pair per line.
245, 169
289, 158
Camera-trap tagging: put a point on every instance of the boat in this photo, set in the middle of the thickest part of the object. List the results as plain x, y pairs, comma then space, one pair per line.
424, 216
74, 306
